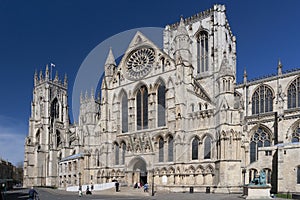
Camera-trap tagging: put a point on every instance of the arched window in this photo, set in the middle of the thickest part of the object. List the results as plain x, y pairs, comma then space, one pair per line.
259, 139
195, 144
162, 63
124, 113
207, 148
161, 107
142, 108
262, 100
296, 135
200, 106
38, 137
161, 150
294, 94
55, 109
123, 153
117, 149
58, 138
202, 52
170, 148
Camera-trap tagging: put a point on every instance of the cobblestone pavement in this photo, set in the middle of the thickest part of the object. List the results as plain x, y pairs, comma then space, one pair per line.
125, 193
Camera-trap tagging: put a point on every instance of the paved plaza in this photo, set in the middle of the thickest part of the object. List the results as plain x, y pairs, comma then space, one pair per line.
125, 193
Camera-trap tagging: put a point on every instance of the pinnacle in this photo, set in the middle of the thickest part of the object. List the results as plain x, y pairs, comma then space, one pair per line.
110, 60
181, 30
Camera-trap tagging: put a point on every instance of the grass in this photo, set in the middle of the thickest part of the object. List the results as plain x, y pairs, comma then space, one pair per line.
284, 195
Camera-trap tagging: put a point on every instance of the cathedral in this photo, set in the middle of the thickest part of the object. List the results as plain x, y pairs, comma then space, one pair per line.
174, 118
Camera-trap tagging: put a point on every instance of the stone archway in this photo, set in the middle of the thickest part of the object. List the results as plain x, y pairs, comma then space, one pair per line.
139, 170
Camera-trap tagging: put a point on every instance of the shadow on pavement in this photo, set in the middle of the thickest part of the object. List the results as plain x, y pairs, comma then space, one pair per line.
16, 194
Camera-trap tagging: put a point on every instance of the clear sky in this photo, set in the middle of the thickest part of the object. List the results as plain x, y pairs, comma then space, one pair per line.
34, 33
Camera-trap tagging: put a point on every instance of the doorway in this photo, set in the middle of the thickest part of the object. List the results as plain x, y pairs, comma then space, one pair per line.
139, 171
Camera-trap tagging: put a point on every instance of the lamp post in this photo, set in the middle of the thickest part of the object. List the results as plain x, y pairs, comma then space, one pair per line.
79, 174
152, 188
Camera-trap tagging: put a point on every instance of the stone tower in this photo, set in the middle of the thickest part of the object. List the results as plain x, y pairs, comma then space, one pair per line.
47, 140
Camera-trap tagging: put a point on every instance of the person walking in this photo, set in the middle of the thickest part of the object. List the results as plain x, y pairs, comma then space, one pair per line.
33, 195
117, 186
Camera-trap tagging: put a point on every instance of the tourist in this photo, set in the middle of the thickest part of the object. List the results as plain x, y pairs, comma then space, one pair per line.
32, 194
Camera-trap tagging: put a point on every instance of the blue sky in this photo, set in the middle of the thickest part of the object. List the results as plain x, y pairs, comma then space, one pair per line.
34, 33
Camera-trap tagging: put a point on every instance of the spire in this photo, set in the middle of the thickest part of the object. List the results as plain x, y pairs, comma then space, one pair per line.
110, 60
35, 77
92, 93
86, 95
279, 68
47, 73
66, 80
245, 76
56, 76
81, 97
41, 76
181, 30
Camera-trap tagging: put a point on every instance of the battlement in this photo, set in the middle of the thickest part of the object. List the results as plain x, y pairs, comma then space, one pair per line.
47, 77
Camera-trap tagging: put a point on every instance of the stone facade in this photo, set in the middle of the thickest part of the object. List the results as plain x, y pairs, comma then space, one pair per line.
175, 116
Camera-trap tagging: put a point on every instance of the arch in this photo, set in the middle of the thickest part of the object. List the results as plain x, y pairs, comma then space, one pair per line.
209, 169
142, 107
158, 82
117, 153
261, 137
170, 148
138, 86
161, 103
138, 165
206, 135
136, 162
207, 147
171, 170
293, 93
161, 149
191, 169
124, 148
195, 146
55, 109
292, 129
38, 137
58, 138
199, 169
124, 111
202, 38
262, 99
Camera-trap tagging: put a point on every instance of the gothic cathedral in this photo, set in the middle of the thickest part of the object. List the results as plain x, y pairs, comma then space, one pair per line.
174, 116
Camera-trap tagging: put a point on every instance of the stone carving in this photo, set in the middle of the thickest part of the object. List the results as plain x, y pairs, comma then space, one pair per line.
259, 180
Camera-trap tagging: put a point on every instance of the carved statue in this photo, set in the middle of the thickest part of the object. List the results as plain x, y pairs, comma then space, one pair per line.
259, 180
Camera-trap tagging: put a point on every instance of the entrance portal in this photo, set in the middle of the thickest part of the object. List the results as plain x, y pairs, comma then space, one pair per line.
139, 171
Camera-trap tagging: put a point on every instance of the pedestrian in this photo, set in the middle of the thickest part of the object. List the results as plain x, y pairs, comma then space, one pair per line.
146, 187
32, 194
92, 187
117, 186
80, 192
88, 190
